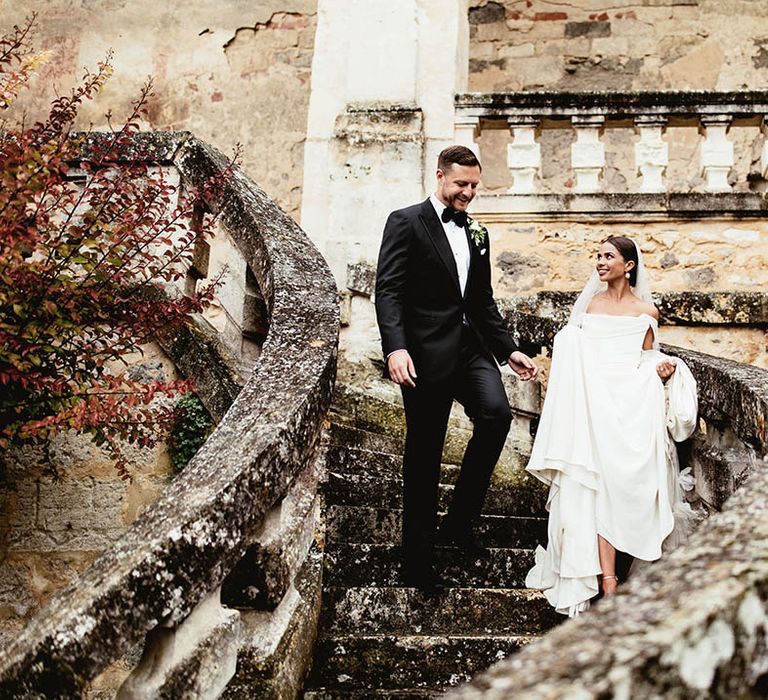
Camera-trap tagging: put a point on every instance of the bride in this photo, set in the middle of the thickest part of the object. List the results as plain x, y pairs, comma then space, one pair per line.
614, 404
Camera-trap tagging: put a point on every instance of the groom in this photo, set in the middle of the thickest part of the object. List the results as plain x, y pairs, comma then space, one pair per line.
440, 331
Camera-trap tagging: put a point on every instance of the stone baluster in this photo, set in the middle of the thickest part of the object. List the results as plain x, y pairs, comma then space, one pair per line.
716, 152
651, 152
466, 130
523, 155
764, 155
587, 153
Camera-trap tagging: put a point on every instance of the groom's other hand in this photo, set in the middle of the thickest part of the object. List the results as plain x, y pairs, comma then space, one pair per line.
522, 365
401, 369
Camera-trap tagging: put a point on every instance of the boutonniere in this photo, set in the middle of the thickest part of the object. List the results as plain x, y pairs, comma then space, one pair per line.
478, 233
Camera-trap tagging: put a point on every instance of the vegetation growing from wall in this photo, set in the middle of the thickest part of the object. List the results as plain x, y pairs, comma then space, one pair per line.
89, 258
191, 427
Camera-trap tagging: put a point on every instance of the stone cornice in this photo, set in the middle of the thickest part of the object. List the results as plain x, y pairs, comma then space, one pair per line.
679, 205
688, 104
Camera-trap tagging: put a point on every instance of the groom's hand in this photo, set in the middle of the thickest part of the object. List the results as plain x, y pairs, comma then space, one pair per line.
522, 365
401, 369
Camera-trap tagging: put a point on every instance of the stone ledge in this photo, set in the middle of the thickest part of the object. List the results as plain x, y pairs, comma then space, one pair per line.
500, 208
729, 392
181, 548
675, 308
744, 104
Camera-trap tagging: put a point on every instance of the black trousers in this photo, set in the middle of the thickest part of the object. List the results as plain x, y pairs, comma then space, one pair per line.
476, 385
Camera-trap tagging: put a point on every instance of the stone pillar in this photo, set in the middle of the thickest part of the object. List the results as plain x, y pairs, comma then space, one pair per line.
384, 76
381, 107
651, 153
523, 155
588, 153
716, 152
466, 130
195, 660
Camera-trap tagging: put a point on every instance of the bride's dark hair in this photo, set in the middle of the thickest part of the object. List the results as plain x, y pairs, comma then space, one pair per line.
628, 251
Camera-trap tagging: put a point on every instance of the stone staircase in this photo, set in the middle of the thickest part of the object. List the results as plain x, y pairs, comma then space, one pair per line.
380, 639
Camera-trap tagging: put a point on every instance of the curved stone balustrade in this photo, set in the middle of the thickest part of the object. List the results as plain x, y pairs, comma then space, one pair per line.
696, 623
169, 565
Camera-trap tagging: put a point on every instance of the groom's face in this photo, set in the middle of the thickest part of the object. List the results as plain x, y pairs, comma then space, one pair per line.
456, 187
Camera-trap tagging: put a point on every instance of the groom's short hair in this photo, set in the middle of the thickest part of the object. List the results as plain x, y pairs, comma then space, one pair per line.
460, 155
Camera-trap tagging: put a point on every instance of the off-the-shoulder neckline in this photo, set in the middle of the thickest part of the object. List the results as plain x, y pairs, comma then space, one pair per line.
587, 313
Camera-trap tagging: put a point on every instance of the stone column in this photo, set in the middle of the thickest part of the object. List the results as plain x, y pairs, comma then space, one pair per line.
716, 152
588, 153
523, 155
651, 153
384, 77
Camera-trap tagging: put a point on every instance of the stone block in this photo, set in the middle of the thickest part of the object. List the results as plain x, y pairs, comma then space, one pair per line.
193, 661
361, 278
258, 581
588, 29
516, 51
276, 649
741, 237
487, 14
255, 316
380, 123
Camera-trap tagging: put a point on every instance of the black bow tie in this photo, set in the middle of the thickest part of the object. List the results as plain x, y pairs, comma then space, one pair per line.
458, 217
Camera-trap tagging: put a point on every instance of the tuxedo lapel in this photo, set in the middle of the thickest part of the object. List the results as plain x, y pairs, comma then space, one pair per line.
436, 233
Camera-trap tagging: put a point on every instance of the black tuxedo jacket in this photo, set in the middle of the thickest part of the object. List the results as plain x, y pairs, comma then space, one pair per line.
419, 305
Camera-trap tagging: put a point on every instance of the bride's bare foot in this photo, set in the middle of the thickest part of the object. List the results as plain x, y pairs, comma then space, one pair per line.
610, 583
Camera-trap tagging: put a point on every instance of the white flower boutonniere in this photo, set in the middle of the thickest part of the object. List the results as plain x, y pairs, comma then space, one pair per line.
478, 233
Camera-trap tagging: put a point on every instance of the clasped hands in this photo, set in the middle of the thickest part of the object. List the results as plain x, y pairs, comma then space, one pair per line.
402, 371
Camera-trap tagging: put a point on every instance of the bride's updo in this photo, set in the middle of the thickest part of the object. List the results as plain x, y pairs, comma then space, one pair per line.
628, 251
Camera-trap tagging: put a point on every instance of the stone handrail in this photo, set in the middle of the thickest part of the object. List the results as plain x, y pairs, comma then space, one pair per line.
179, 551
693, 625
526, 114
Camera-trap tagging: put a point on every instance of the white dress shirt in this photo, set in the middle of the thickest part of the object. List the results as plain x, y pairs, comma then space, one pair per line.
457, 239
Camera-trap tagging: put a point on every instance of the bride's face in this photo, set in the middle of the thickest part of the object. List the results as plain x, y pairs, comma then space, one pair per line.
609, 264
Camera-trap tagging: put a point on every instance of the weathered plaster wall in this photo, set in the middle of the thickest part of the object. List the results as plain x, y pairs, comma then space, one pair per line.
53, 524
231, 72
620, 45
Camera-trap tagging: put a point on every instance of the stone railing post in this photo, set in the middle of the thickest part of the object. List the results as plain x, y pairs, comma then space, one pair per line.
523, 155
716, 152
764, 153
651, 152
207, 639
466, 130
587, 153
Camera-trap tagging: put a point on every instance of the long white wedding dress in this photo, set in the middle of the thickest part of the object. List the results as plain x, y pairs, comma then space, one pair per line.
604, 446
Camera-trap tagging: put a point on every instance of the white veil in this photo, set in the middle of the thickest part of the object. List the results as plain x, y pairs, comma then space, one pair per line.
642, 289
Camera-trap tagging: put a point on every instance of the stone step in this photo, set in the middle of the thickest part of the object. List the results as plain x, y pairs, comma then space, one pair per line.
455, 611
380, 565
351, 436
368, 694
528, 499
369, 411
360, 524
388, 662
353, 460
